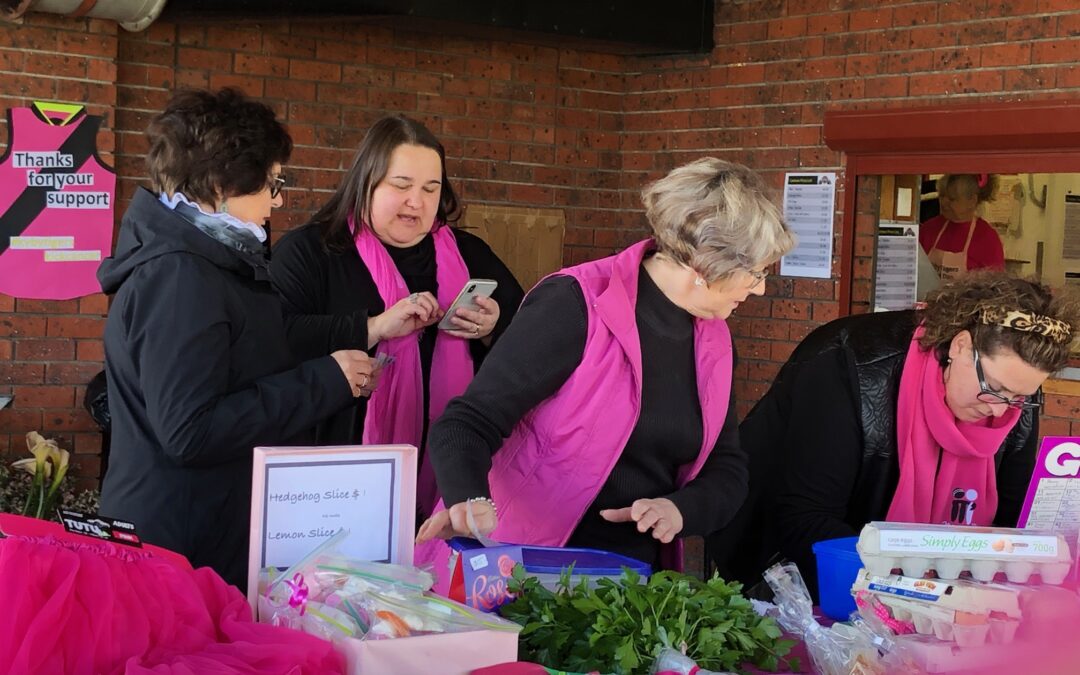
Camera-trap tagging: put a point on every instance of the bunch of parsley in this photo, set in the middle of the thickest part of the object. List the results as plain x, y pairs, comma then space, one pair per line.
620, 625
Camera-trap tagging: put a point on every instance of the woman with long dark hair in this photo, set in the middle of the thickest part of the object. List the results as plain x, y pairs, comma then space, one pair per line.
376, 269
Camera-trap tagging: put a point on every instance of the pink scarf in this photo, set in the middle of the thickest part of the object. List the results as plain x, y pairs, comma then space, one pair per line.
394, 412
963, 489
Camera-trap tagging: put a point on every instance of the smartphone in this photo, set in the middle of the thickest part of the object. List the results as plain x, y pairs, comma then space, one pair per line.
472, 289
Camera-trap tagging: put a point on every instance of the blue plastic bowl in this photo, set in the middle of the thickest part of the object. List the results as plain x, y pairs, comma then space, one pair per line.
838, 566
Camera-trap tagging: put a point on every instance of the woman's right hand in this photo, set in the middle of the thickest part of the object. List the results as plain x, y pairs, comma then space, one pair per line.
408, 315
357, 367
453, 522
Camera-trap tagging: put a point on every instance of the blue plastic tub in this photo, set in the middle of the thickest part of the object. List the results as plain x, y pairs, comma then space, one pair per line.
838, 566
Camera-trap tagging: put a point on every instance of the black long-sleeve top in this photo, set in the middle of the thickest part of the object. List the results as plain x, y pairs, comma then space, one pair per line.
329, 296
538, 353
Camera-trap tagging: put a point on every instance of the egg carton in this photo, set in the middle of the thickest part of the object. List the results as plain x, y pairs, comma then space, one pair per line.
965, 629
949, 551
931, 655
972, 598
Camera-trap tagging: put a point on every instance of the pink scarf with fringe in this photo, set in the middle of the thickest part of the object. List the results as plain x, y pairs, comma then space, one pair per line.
963, 489
394, 411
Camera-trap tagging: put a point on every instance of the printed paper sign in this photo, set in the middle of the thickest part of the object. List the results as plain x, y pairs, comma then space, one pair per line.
302, 496
1053, 496
809, 208
56, 203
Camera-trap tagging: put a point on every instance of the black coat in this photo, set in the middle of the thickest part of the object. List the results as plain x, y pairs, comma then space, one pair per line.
823, 447
199, 373
328, 297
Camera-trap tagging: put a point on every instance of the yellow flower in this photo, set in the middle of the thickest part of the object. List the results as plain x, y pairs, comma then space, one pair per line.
39, 462
47, 457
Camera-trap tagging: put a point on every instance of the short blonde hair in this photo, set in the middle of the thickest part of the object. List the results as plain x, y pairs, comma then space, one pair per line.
716, 217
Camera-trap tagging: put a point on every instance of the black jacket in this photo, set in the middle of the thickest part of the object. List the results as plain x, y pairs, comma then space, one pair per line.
329, 296
199, 373
823, 447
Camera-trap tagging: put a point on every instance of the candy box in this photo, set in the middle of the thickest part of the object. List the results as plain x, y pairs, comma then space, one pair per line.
480, 575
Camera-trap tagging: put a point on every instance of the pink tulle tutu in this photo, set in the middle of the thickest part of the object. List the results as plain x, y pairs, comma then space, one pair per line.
78, 606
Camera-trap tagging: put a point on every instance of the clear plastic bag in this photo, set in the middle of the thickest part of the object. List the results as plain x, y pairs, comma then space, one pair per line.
840, 649
394, 615
671, 662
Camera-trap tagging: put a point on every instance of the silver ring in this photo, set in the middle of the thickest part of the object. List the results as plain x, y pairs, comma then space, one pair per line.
476, 329
413, 298
364, 383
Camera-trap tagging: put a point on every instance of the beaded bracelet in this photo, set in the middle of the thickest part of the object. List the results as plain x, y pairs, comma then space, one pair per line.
483, 500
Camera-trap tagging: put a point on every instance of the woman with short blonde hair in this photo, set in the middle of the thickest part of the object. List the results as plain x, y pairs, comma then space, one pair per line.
605, 418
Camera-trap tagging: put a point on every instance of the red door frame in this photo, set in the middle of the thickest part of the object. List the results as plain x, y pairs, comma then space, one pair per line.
1014, 137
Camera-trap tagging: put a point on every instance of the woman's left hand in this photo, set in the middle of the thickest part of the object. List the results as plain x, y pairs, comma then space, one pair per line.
476, 323
659, 515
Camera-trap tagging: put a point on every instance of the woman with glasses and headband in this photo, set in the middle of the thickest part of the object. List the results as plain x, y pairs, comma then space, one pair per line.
199, 370
605, 417
926, 416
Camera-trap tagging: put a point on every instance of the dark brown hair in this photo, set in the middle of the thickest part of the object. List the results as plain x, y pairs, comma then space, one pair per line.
959, 304
211, 145
353, 196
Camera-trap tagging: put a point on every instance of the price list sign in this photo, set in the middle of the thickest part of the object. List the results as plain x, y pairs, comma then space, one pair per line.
809, 207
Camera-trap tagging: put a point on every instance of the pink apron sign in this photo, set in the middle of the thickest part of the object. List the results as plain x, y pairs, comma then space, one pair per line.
56, 203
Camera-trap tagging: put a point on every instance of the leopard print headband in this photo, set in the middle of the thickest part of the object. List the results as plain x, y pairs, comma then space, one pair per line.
1028, 322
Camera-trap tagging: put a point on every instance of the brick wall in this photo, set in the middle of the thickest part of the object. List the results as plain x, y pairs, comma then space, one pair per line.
531, 126
49, 350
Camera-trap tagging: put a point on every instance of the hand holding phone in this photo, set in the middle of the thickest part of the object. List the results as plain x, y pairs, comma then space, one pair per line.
466, 300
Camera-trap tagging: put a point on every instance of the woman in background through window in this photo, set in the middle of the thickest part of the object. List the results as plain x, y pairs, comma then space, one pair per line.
958, 240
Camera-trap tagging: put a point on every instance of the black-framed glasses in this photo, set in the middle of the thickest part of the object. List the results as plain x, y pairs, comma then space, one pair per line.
277, 184
988, 395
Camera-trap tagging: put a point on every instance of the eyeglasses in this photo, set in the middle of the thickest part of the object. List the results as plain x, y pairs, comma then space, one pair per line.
988, 395
277, 184
759, 275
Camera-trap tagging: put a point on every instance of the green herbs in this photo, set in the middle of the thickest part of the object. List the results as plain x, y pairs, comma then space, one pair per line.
619, 626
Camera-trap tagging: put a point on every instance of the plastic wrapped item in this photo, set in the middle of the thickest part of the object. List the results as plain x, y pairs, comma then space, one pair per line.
357, 576
394, 615
969, 613
950, 550
841, 649
671, 662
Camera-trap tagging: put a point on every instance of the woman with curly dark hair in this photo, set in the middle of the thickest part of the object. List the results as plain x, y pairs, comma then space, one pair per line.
199, 370
926, 417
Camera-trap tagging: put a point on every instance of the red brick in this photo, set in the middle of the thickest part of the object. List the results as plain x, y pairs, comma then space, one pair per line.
44, 349
76, 326
76, 373
76, 419
341, 52
297, 46
798, 310
1054, 426
303, 69
30, 396
94, 304
780, 351
1060, 405
1005, 55
870, 19
255, 64
88, 350
20, 421
21, 373
826, 311
1054, 51
22, 325
252, 86
204, 59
